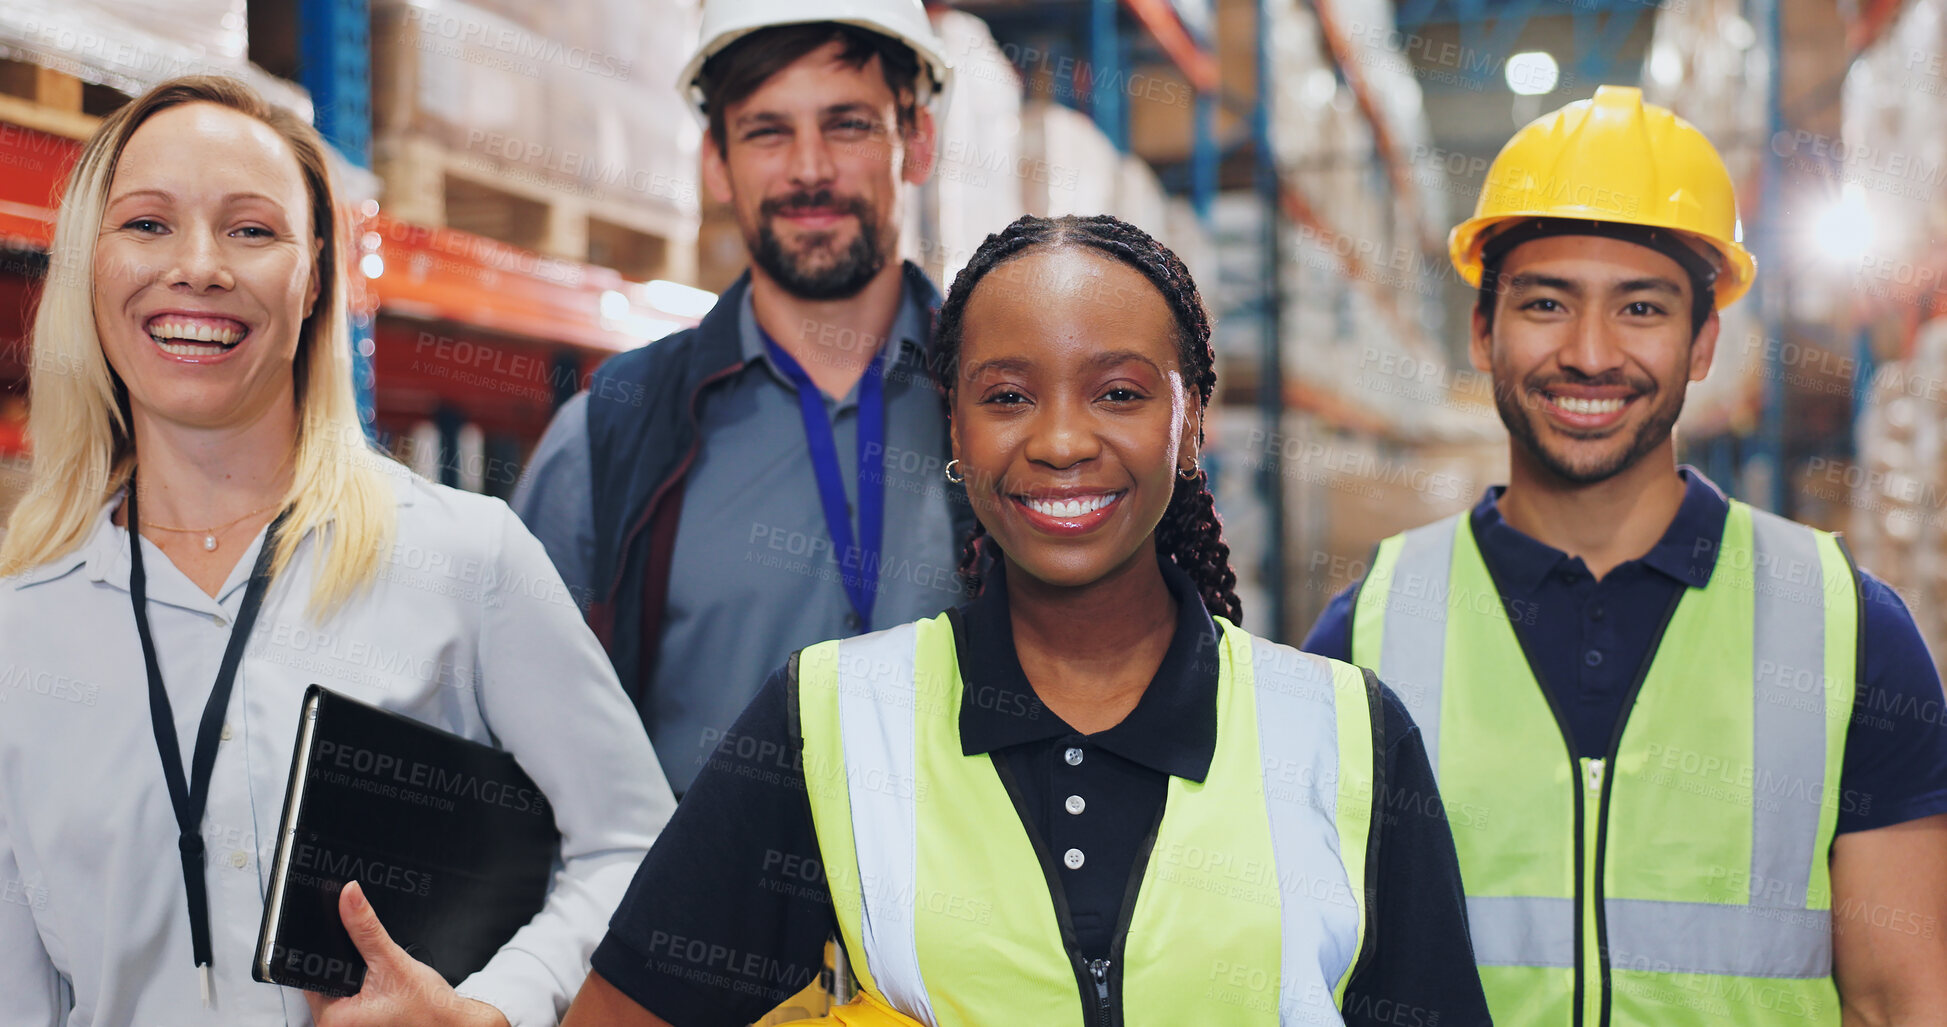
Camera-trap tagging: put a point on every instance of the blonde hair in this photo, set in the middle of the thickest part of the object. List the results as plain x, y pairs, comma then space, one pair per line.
78, 415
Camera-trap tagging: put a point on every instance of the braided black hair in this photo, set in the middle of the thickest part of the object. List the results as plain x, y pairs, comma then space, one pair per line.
1190, 532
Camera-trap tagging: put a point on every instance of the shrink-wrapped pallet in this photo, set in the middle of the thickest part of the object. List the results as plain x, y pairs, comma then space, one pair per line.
1080, 165
982, 173
130, 45
579, 97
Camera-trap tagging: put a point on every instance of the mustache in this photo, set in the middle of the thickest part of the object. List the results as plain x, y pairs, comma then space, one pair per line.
1607, 379
813, 199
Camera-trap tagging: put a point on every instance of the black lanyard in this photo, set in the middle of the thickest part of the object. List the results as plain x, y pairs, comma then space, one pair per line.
190, 799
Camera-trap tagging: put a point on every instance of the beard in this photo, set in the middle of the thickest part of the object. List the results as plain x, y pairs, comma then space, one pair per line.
817, 269
1518, 413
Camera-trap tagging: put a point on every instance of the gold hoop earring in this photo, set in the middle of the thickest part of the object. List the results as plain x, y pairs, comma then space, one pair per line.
1189, 473
951, 475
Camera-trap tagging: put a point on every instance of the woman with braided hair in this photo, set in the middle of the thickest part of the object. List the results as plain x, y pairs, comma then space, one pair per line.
1086, 796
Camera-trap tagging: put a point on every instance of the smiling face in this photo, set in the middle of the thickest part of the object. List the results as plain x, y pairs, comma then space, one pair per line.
1070, 412
814, 167
1591, 352
204, 270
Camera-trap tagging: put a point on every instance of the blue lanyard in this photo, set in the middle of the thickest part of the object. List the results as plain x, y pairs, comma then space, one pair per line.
858, 562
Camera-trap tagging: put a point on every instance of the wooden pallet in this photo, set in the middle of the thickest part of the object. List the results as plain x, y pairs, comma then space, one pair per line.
427, 183
50, 101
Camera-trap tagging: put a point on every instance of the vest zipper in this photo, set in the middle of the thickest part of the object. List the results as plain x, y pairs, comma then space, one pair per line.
1598, 781
1099, 970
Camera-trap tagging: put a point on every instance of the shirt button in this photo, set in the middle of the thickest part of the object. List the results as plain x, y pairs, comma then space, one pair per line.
1595, 612
225, 733
218, 619
1073, 756
852, 622
238, 859
1593, 657
1075, 804
1072, 859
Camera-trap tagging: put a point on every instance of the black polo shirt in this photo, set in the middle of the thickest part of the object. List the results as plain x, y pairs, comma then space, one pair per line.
729, 912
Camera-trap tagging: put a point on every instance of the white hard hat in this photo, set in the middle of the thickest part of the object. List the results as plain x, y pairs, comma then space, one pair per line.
726, 21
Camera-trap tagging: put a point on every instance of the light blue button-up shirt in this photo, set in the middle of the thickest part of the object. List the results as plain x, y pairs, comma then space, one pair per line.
467, 628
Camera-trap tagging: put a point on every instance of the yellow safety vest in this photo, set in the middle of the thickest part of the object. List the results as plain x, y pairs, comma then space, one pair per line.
1253, 897
1681, 879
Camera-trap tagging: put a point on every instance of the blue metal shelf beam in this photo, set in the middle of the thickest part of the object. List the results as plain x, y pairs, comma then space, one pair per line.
335, 66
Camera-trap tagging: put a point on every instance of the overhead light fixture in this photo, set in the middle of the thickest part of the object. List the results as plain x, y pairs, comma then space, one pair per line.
1532, 73
1666, 67
1843, 232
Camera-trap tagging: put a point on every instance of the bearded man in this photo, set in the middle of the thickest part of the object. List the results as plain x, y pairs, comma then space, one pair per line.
772, 478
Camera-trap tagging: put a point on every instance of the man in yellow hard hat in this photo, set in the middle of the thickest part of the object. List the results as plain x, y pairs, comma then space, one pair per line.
1701, 754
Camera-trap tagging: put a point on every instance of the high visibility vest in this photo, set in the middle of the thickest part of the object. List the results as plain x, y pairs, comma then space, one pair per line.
1253, 894
1680, 879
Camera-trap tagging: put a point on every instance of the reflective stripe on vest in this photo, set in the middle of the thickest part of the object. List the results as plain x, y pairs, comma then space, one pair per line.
1710, 821
1252, 903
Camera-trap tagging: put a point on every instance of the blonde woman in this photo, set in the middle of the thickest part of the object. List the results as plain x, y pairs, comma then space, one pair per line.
192, 376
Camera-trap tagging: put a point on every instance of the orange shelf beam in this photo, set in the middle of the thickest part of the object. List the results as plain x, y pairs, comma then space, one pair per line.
1160, 19
448, 275
1382, 135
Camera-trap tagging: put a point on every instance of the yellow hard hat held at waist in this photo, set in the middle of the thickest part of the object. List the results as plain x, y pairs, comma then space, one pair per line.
1614, 159
862, 1011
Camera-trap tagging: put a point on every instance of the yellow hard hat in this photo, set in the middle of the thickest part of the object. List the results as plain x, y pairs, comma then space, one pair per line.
1616, 159
865, 1010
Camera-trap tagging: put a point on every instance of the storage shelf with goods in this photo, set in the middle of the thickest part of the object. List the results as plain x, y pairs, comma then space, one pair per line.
1707, 64
982, 172
87, 57
1002, 155
556, 129
1767, 82
1891, 163
473, 332
1075, 169
1362, 272
1359, 37
1377, 431
541, 212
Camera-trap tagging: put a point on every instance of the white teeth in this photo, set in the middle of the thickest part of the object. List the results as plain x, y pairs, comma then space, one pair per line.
1578, 405
206, 349
1069, 507
195, 331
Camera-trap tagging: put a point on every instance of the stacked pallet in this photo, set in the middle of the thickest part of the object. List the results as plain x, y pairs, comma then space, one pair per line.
557, 129
65, 62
